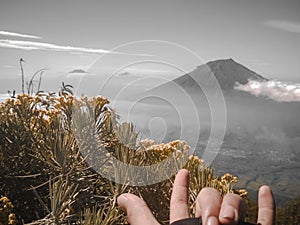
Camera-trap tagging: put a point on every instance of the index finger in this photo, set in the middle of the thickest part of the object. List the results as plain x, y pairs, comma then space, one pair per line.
266, 206
179, 200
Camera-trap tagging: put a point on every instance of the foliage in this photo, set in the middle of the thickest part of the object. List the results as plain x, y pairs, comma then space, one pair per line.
52, 148
290, 213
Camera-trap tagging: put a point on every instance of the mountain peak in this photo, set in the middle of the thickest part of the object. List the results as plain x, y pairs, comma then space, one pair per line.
227, 72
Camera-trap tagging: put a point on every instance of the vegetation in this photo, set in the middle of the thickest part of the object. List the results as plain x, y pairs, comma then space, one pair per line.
55, 163
49, 180
290, 213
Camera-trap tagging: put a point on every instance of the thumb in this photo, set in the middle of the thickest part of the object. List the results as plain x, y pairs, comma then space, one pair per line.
136, 209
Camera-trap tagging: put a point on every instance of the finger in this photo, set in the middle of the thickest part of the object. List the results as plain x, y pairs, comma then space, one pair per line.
208, 206
266, 206
179, 200
136, 209
231, 209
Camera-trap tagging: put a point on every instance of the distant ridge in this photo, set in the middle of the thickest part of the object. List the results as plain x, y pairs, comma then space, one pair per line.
227, 72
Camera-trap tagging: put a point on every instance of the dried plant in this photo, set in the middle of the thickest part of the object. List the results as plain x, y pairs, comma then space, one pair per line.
105, 215
55, 150
62, 195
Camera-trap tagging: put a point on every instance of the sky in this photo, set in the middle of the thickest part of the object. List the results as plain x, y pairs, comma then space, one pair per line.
67, 35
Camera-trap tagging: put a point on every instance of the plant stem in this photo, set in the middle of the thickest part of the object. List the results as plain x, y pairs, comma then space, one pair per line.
22, 71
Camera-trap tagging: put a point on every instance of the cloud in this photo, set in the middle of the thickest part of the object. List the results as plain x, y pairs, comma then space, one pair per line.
8, 44
276, 90
29, 45
78, 71
6, 33
293, 27
124, 74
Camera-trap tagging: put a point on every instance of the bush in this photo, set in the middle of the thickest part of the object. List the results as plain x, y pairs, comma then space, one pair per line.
47, 152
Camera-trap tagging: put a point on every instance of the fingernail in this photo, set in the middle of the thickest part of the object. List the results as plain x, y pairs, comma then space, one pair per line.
122, 199
228, 213
212, 221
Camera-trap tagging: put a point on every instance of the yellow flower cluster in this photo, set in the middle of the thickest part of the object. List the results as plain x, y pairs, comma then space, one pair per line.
195, 160
6, 215
241, 192
100, 101
6, 203
146, 144
169, 147
228, 178
164, 150
148, 152
225, 185
12, 220
96, 101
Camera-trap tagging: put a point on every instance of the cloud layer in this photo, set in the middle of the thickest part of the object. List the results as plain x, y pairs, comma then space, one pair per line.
293, 27
32, 45
29, 45
7, 33
276, 90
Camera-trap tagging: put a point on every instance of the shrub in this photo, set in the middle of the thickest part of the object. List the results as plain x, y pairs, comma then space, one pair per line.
47, 153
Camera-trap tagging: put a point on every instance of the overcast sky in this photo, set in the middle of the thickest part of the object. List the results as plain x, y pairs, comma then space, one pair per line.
63, 35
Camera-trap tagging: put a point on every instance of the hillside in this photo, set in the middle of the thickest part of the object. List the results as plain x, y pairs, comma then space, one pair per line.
227, 72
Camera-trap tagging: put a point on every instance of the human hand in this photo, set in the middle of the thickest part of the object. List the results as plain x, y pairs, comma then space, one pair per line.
213, 209
210, 206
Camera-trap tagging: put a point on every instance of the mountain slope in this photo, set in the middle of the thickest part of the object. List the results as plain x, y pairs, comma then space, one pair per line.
226, 71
